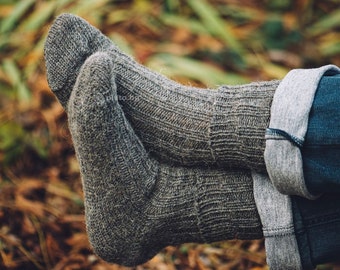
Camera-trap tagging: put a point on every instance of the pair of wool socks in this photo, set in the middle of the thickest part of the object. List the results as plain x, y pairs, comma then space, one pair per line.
176, 123
137, 203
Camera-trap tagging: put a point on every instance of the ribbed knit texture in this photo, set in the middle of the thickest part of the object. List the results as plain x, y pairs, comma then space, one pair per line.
135, 205
184, 125
241, 116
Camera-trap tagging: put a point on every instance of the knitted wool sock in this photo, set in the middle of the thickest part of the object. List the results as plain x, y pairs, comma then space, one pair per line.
177, 123
134, 205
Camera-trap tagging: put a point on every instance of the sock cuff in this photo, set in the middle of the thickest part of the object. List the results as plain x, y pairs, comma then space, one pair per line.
226, 207
241, 115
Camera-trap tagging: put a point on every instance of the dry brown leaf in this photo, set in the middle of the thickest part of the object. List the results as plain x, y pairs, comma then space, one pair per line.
78, 242
35, 208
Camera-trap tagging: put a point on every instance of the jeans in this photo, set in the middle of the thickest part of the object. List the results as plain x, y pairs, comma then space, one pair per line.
321, 154
317, 222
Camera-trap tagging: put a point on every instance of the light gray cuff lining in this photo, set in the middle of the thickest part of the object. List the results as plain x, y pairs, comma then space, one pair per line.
290, 109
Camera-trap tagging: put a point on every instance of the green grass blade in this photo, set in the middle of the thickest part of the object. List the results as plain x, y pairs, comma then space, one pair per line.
326, 23
196, 70
89, 7
40, 16
215, 25
11, 71
10, 22
14, 74
193, 25
330, 48
62, 3
4, 40
171, 5
6, 2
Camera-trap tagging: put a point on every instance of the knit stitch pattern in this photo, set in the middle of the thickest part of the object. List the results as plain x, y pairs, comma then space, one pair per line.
178, 124
134, 204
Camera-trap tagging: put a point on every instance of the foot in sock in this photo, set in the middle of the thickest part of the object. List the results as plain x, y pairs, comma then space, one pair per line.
134, 205
177, 123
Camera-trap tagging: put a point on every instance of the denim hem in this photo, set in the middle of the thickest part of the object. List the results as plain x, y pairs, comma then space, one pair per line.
302, 238
317, 227
275, 210
290, 109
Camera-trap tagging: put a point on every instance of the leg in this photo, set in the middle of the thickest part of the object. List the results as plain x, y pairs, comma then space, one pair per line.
134, 205
321, 151
184, 125
317, 227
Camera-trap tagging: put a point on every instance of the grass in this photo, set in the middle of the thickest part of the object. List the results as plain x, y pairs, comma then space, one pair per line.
205, 43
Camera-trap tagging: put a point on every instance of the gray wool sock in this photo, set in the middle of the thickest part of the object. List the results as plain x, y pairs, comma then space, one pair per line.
181, 124
134, 205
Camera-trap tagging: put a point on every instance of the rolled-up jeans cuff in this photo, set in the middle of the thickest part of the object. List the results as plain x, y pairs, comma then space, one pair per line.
285, 135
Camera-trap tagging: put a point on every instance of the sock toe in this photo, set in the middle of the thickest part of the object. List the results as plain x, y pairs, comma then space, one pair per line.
68, 45
116, 171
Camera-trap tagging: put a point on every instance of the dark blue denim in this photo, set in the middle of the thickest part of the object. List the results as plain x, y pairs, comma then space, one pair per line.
317, 229
321, 151
317, 223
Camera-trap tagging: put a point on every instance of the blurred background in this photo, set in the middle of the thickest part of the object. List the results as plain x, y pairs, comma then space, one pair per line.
197, 42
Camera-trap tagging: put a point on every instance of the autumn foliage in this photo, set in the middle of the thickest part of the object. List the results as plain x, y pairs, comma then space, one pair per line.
198, 42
